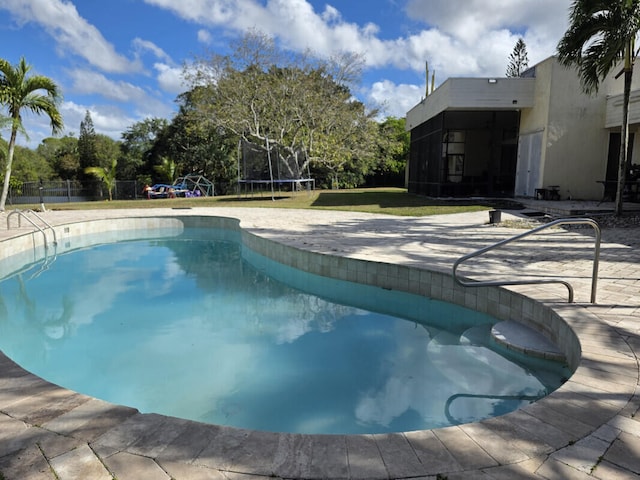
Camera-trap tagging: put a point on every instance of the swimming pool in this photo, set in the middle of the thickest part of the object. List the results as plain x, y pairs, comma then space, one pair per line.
164, 323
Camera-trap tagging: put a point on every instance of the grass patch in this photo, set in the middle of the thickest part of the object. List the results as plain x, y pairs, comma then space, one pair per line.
391, 201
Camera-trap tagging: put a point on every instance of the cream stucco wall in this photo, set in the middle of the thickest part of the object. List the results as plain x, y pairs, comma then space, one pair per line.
582, 125
534, 121
576, 141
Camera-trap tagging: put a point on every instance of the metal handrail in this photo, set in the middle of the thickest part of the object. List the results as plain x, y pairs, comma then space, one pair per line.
53, 230
565, 221
23, 214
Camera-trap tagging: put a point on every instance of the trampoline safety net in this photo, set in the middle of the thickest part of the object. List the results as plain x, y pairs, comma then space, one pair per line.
262, 164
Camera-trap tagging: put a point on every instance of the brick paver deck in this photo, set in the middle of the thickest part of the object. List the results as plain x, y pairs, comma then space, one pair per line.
590, 430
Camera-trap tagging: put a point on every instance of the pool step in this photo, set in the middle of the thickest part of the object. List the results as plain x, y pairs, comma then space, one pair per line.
521, 338
478, 335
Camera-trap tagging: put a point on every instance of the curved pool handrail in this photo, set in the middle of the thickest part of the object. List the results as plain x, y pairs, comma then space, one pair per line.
562, 221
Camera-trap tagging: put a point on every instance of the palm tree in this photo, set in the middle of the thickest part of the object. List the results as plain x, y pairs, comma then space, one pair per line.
167, 168
19, 92
106, 174
600, 37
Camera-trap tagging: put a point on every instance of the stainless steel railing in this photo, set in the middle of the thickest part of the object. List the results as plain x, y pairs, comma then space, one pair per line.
23, 214
565, 221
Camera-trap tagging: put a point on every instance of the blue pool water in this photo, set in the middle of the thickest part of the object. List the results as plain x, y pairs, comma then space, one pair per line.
196, 328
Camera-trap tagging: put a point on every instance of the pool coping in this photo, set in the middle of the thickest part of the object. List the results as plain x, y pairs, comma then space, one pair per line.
543, 433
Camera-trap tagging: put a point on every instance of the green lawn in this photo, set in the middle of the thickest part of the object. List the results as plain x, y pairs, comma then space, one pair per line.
392, 201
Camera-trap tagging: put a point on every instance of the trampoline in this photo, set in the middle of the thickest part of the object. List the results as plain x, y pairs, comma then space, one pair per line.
270, 166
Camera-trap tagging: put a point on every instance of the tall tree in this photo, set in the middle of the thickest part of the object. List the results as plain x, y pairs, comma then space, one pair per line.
62, 155
201, 148
601, 36
393, 142
106, 150
298, 104
87, 142
30, 166
140, 146
518, 60
18, 92
344, 145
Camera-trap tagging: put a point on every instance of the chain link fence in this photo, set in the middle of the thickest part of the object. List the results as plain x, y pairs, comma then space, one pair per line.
63, 191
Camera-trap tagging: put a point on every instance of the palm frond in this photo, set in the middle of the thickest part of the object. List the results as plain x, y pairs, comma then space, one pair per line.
99, 172
19, 91
599, 33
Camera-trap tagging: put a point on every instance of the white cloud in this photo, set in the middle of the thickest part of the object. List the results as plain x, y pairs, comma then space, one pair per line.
294, 22
107, 119
495, 24
394, 100
474, 40
145, 45
208, 12
299, 27
478, 16
331, 14
88, 82
204, 36
170, 78
71, 32
147, 103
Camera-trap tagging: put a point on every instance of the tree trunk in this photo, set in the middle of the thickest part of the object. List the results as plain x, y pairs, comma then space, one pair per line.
7, 172
624, 140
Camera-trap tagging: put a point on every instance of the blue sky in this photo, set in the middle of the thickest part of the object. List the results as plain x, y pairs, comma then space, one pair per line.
122, 60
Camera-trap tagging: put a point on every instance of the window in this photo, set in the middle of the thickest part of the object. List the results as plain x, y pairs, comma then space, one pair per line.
453, 155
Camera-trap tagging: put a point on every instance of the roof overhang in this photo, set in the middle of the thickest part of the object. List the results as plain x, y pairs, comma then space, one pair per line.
474, 94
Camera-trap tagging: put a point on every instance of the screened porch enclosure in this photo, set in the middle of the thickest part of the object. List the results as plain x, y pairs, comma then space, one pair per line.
465, 153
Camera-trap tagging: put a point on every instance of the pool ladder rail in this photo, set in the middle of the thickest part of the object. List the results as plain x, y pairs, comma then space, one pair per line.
498, 283
25, 214
48, 259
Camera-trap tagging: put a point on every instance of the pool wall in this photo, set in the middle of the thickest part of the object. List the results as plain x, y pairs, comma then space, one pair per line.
497, 302
500, 303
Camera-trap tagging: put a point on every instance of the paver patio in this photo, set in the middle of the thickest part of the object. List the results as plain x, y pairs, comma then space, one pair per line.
590, 428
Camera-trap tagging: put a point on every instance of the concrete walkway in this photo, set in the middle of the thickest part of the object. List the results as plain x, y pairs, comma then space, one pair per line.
590, 430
